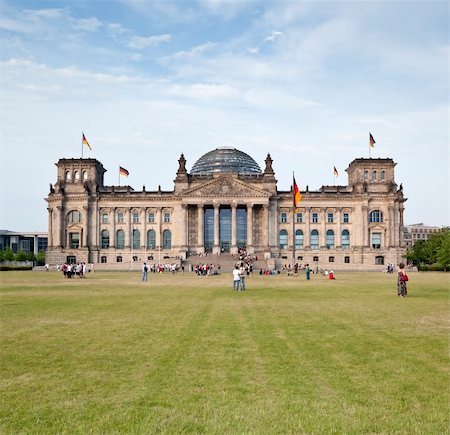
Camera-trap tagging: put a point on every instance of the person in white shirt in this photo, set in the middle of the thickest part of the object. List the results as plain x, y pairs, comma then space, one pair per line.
236, 278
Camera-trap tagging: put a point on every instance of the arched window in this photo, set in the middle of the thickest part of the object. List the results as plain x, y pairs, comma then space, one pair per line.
376, 216
283, 239
345, 239
84, 175
314, 239
167, 239
105, 239
383, 175
120, 239
151, 239
330, 239
68, 175
374, 175
74, 217
136, 239
76, 176
299, 239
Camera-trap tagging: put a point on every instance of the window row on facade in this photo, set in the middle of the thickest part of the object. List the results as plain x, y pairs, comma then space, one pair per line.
75, 216
330, 240
374, 216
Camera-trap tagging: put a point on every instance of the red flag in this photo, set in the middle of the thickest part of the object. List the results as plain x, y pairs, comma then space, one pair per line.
297, 195
371, 140
123, 171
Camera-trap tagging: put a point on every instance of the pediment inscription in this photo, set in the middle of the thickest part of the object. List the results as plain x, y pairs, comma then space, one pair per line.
226, 187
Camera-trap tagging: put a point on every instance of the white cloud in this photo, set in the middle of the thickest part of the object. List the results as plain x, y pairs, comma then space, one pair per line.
274, 36
141, 42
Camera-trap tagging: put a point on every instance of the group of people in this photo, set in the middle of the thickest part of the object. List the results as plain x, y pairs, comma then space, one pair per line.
207, 269
77, 270
160, 268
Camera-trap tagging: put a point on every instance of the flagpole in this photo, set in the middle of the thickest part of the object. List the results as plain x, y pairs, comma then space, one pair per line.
82, 144
119, 176
293, 222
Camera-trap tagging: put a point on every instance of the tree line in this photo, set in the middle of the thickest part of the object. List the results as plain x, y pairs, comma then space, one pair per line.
431, 254
8, 255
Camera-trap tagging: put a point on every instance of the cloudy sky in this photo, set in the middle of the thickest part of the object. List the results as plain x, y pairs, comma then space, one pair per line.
149, 80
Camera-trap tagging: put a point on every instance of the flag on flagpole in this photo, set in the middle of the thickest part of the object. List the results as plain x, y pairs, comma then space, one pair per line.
297, 195
123, 171
84, 141
336, 173
371, 140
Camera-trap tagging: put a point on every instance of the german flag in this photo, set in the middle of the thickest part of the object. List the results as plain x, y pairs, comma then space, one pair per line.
123, 171
371, 140
297, 195
84, 141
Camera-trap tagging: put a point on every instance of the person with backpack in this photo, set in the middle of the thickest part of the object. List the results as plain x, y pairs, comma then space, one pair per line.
401, 281
144, 272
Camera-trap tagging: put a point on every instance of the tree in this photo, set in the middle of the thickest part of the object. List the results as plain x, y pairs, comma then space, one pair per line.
443, 254
21, 256
40, 258
435, 250
8, 255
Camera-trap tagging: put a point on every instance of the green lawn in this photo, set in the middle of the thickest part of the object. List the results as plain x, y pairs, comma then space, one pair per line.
187, 354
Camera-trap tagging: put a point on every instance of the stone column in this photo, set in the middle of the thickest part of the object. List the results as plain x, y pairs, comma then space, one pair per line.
233, 249
185, 229
85, 226
200, 228
390, 231
50, 228
338, 235
323, 229
112, 240
250, 228
265, 227
307, 235
216, 248
144, 229
159, 232
60, 230
365, 226
400, 227
128, 234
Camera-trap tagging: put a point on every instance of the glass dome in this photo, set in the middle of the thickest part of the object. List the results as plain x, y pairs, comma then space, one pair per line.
225, 159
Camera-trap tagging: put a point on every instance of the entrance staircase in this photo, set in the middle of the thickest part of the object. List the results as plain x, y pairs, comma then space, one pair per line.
227, 261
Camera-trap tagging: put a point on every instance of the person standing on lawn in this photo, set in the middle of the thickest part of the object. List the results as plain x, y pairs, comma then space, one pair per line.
401, 281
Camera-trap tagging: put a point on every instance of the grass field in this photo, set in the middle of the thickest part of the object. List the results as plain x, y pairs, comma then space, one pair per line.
183, 353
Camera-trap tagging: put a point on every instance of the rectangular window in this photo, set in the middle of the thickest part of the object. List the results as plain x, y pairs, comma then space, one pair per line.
119, 219
135, 217
347, 260
151, 217
283, 217
315, 217
346, 218
167, 217
299, 218
105, 218
376, 240
119, 259
26, 245
330, 259
74, 240
103, 259
330, 218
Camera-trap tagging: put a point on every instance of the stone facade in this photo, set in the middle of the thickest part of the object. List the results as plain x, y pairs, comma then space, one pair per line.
357, 226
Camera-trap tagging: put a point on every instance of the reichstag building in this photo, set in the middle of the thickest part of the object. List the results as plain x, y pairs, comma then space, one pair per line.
226, 202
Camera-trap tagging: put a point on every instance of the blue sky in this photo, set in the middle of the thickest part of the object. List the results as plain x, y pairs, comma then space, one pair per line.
147, 81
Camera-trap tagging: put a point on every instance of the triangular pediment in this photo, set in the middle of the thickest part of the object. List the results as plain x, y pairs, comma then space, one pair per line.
225, 187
